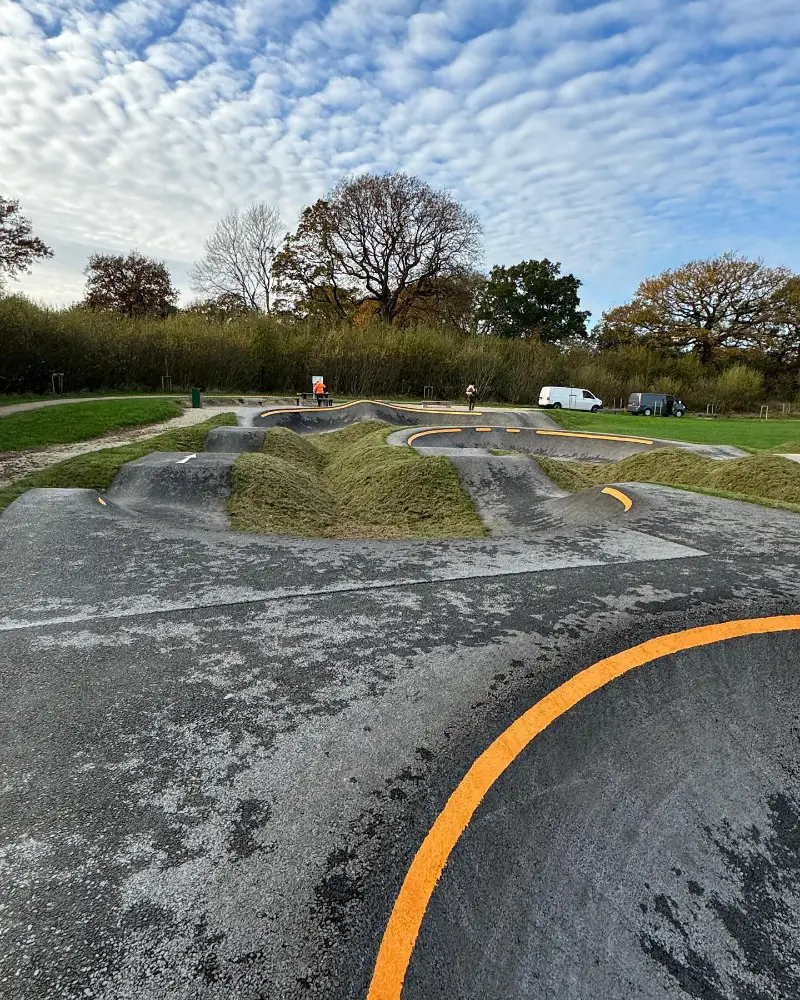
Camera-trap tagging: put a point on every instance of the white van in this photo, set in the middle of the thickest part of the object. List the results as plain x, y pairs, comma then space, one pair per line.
560, 397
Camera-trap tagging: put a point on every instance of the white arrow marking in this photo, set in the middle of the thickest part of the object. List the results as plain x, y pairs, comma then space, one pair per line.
183, 461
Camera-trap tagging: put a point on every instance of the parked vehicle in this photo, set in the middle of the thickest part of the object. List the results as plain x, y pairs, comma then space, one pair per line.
557, 397
658, 403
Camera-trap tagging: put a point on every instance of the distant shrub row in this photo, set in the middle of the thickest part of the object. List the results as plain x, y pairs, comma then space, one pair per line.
98, 351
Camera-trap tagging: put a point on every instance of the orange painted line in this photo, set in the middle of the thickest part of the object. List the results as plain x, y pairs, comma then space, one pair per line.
623, 498
439, 430
484, 429
412, 901
375, 402
512, 430
596, 437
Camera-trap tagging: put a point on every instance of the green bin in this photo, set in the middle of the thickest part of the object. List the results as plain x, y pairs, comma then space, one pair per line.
195, 398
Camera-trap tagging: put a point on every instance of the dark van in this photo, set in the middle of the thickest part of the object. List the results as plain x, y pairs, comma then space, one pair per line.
659, 403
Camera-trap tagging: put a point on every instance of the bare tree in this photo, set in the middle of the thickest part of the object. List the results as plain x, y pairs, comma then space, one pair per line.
18, 246
135, 285
380, 237
239, 255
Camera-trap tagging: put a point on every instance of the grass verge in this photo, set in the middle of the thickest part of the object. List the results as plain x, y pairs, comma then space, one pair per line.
97, 469
349, 484
80, 421
741, 432
87, 395
763, 478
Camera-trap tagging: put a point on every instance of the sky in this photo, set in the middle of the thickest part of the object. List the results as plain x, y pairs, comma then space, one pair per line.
618, 138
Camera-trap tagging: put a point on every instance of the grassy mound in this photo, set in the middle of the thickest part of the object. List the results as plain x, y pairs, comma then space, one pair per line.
788, 447
349, 484
296, 449
272, 494
70, 422
762, 478
97, 469
332, 443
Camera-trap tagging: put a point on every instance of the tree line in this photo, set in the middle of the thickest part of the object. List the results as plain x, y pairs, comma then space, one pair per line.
389, 250
255, 353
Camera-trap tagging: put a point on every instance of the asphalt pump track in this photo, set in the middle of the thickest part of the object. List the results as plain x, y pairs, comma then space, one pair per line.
510, 492
558, 762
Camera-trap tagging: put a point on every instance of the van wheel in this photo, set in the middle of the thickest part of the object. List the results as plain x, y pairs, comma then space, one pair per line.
677, 413
595, 409
648, 412
556, 406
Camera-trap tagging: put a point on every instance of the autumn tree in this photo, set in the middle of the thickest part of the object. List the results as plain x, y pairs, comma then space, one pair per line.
325, 303
704, 306
224, 307
239, 256
533, 299
19, 248
306, 269
451, 302
133, 285
376, 238
783, 339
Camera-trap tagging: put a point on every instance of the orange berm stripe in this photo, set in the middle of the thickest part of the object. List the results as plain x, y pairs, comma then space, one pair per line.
409, 909
355, 402
439, 430
596, 437
623, 498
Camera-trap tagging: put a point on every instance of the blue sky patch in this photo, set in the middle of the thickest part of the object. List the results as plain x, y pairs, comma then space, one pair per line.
616, 136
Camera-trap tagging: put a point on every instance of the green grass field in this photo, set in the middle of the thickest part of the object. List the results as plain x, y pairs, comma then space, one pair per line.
742, 432
11, 399
97, 469
349, 484
80, 421
762, 478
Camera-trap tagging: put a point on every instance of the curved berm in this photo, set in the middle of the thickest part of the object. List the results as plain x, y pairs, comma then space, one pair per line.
306, 420
531, 440
643, 842
591, 506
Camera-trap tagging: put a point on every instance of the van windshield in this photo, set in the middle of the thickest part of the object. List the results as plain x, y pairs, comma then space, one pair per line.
634, 397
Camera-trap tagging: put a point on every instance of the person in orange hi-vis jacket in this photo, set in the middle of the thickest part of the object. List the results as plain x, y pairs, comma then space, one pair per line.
319, 392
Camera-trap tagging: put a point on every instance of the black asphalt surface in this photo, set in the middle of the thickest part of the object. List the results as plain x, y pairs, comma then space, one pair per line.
220, 753
548, 439
645, 845
235, 439
191, 489
314, 419
510, 492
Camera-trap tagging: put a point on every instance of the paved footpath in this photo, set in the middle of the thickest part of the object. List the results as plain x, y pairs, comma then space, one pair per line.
38, 404
254, 767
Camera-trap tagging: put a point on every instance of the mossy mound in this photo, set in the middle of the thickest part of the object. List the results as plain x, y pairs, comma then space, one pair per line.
760, 478
349, 484
272, 494
297, 449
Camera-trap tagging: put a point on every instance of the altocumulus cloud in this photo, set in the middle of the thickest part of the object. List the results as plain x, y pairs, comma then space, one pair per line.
617, 137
